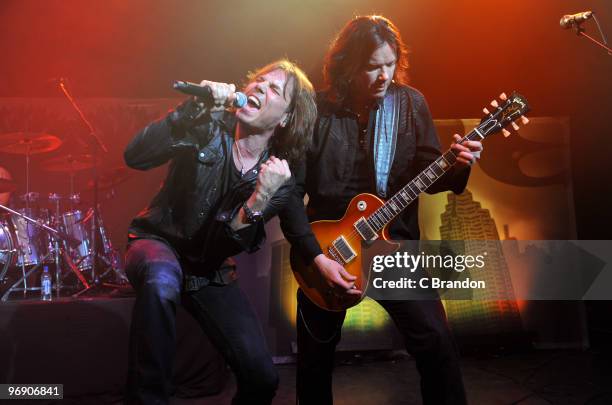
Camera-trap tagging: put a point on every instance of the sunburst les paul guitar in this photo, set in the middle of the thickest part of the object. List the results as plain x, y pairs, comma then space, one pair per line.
367, 216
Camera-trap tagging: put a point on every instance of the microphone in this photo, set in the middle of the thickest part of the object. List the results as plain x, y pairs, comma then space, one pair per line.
570, 19
237, 99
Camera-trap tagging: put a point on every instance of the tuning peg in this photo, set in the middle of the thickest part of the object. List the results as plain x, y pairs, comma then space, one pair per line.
494, 103
524, 120
503, 97
484, 110
515, 126
505, 132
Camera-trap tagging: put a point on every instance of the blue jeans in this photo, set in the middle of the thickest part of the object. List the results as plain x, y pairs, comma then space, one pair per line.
223, 311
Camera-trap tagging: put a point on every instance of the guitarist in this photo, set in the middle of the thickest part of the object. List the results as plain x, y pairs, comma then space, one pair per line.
373, 134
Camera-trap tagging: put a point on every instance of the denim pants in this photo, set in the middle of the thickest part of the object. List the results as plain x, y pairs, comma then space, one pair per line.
223, 311
426, 336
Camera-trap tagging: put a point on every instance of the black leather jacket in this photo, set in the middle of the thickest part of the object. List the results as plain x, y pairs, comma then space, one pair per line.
331, 159
193, 210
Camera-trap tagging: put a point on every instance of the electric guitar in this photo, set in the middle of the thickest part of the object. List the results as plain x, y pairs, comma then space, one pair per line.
367, 216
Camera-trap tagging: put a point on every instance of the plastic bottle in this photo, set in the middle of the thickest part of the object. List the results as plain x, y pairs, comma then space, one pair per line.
45, 285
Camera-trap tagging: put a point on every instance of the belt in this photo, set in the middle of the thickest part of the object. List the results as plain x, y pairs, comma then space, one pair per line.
221, 277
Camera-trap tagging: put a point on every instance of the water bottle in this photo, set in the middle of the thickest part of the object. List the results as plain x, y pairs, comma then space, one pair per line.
45, 285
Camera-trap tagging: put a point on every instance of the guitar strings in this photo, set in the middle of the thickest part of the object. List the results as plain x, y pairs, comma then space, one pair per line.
355, 236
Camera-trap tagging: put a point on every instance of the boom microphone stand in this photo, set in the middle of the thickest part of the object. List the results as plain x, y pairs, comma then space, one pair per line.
95, 145
577, 25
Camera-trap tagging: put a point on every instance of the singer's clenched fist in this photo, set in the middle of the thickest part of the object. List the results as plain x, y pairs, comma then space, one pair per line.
272, 175
223, 94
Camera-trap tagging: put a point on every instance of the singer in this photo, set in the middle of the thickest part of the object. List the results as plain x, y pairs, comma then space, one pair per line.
229, 172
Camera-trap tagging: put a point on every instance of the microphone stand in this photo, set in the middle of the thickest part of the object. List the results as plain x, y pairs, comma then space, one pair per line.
580, 32
95, 145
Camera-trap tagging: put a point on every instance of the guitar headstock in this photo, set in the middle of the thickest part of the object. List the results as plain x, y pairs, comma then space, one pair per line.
505, 113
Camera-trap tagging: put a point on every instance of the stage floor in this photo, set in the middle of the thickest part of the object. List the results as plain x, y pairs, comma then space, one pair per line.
83, 345
542, 377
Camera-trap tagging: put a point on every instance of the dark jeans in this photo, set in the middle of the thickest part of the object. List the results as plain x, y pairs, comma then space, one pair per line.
223, 311
426, 335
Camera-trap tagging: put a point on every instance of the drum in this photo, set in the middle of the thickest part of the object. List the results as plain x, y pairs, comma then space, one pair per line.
31, 241
7, 254
75, 226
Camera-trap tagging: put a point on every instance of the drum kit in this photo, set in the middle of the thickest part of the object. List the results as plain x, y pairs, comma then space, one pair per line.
56, 231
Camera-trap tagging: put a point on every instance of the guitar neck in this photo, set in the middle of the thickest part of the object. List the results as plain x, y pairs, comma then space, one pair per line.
411, 191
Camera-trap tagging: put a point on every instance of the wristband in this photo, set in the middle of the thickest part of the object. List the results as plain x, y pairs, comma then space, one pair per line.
251, 216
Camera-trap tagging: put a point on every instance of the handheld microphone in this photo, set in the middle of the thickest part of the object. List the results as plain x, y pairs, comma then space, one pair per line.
237, 99
568, 20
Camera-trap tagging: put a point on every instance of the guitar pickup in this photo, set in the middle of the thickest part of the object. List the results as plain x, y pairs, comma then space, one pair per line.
365, 230
345, 250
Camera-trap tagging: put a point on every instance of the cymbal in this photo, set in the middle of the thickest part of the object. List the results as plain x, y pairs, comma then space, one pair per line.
111, 178
21, 143
68, 163
7, 186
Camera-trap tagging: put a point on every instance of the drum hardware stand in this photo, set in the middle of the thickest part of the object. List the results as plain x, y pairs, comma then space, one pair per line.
96, 256
56, 236
96, 145
27, 206
27, 199
2, 251
55, 246
27, 210
109, 254
110, 257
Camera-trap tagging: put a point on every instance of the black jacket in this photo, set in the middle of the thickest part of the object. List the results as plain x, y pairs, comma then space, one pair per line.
193, 209
331, 159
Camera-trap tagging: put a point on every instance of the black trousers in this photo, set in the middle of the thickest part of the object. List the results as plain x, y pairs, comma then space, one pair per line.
426, 335
223, 311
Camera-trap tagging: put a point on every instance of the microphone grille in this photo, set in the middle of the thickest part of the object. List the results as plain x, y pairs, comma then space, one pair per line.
240, 100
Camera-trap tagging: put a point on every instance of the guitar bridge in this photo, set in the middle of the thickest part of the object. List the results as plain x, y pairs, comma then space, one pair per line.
365, 230
344, 250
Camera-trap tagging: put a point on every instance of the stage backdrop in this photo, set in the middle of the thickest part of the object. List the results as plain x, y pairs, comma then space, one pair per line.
521, 189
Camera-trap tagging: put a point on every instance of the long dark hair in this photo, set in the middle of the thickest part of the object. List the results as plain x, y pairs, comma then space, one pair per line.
293, 140
352, 48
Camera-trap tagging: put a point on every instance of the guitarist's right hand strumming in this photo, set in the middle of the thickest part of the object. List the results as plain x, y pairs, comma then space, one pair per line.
336, 275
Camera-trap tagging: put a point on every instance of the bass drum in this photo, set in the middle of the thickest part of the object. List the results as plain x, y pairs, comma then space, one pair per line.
7, 253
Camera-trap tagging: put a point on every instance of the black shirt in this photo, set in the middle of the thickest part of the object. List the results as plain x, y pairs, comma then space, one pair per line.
331, 166
361, 176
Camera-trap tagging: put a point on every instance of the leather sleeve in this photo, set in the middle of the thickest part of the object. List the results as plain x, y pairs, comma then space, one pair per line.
294, 221
157, 142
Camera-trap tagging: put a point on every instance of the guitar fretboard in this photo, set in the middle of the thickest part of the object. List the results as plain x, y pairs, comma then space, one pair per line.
410, 192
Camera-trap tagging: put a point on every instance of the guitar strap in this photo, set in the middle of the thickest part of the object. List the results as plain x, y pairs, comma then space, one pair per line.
385, 138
